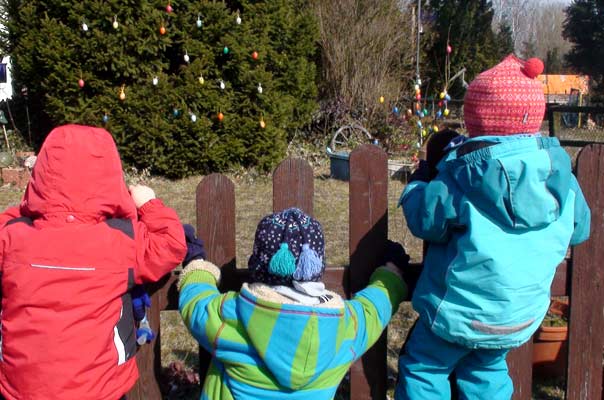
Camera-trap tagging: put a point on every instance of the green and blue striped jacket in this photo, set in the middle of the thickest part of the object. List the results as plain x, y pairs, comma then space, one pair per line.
265, 348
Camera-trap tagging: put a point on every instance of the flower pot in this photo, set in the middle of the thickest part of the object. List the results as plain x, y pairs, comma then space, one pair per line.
550, 345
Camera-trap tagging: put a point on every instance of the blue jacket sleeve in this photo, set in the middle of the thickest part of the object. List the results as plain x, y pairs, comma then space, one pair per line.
582, 215
429, 209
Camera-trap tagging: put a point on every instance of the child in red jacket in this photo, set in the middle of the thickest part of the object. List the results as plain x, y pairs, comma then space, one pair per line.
68, 261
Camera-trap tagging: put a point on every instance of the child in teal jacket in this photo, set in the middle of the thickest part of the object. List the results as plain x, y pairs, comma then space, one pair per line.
499, 217
284, 335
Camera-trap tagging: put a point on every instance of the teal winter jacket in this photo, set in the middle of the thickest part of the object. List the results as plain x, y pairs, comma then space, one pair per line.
499, 220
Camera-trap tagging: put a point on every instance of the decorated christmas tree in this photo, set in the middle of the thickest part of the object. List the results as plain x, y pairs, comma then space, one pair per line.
184, 86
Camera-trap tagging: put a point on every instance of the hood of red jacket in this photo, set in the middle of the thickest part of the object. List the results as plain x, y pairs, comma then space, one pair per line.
78, 172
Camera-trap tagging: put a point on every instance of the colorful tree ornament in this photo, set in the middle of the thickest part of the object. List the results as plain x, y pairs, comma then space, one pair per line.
446, 112
123, 93
225, 50
199, 22
449, 49
222, 85
382, 99
155, 81
395, 110
262, 123
169, 8
81, 83
238, 19
259, 88
220, 116
418, 97
254, 55
176, 112
201, 80
435, 128
193, 117
115, 23
162, 30
186, 57
105, 118
442, 95
84, 27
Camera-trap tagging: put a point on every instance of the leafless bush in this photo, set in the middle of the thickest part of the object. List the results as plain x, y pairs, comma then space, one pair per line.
368, 52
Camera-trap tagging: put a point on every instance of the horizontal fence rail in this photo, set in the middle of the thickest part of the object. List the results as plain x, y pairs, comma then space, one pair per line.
580, 277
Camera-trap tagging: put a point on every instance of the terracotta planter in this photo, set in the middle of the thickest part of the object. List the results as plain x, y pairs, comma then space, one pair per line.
550, 346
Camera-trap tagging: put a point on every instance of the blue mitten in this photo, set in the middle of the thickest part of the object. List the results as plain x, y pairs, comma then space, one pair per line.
195, 249
140, 302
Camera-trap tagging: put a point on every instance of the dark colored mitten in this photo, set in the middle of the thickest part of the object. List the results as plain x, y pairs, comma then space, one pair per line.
437, 148
395, 253
421, 173
195, 249
140, 302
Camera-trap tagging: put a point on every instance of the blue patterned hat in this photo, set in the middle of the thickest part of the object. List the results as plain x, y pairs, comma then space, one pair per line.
288, 246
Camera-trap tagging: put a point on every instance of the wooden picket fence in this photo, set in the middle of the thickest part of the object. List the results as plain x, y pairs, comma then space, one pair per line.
580, 277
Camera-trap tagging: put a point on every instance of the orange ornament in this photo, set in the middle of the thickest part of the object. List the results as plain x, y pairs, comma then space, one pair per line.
162, 30
220, 116
255, 55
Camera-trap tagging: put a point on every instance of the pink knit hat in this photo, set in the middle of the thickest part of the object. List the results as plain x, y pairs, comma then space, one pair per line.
506, 99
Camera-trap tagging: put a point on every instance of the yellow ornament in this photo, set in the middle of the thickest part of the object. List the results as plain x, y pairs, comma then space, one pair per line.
122, 93
115, 23
442, 95
201, 80
423, 133
435, 128
381, 99
262, 123
446, 112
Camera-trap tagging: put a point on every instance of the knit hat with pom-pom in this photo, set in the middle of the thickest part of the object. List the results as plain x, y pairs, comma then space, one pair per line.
288, 246
506, 99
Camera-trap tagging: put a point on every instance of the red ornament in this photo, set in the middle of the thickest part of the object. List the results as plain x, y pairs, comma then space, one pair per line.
532, 67
440, 103
418, 97
255, 55
81, 83
220, 116
169, 8
162, 30
449, 49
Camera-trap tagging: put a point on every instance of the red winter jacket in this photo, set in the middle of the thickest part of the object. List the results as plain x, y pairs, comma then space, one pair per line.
67, 265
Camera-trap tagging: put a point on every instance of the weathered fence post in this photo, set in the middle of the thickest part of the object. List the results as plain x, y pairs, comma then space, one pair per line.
586, 325
293, 186
520, 365
148, 356
215, 203
368, 233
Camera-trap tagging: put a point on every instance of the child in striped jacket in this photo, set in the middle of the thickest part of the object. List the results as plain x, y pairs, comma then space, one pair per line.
284, 335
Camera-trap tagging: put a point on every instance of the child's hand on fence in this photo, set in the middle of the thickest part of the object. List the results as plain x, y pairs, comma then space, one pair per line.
395, 254
141, 194
421, 173
195, 249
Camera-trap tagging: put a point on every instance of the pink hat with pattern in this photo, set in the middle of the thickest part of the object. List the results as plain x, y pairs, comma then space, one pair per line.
506, 99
